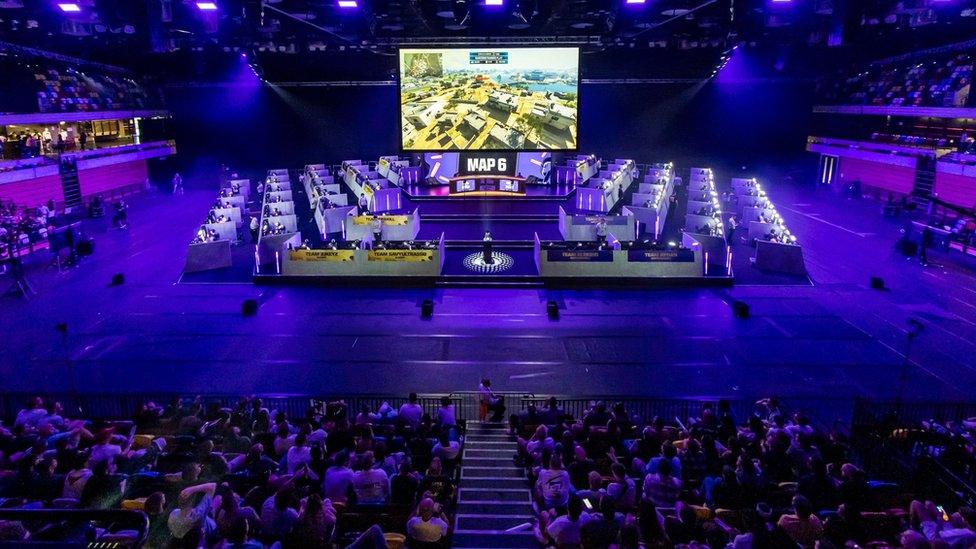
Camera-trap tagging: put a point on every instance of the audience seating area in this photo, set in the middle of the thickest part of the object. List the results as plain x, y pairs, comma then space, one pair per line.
206, 473
940, 81
374, 471
69, 90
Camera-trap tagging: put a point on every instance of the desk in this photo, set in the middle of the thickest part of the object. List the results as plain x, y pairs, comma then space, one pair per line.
285, 196
286, 208
582, 228
226, 231
395, 227
487, 185
393, 263
332, 220
205, 256
713, 248
234, 214
780, 258
624, 263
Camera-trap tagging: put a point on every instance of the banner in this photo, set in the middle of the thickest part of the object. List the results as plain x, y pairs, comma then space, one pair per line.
383, 163
398, 220
321, 255
413, 256
682, 255
580, 256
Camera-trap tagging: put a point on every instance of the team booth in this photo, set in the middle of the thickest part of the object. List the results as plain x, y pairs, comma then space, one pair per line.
493, 218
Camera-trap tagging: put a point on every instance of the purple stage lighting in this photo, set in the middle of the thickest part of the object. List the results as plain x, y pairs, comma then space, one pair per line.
635, 1
206, 6
70, 7
348, 4
494, 2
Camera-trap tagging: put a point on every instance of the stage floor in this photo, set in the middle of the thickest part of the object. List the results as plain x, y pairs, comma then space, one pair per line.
821, 344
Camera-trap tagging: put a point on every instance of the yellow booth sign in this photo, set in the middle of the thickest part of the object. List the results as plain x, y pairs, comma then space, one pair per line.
401, 255
386, 219
321, 255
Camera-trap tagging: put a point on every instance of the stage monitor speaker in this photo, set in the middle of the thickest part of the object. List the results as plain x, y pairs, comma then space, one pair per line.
249, 307
427, 309
552, 310
86, 247
740, 309
877, 283
118, 279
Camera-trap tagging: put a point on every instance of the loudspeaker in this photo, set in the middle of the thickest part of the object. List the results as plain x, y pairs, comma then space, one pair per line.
249, 307
427, 309
877, 283
86, 247
552, 310
740, 309
118, 279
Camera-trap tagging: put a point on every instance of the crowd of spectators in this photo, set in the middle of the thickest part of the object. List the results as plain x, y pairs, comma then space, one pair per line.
71, 90
771, 480
943, 81
22, 228
241, 476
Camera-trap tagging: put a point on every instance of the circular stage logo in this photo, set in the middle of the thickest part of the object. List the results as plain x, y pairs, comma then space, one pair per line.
476, 263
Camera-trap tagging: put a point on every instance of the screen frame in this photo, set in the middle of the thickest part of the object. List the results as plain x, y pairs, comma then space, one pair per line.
579, 97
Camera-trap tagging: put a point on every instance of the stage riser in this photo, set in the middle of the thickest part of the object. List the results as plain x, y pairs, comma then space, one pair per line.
489, 208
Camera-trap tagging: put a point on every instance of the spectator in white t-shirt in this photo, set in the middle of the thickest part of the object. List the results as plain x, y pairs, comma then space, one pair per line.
411, 413
370, 485
338, 479
564, 531
426, 526
298, 455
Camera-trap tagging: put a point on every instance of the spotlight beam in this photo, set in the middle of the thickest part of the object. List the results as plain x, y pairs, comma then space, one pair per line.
682, 16
265, 5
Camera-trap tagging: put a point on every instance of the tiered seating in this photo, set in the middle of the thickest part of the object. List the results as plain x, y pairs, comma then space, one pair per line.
69, 90
939, 81
205, 471
769, 480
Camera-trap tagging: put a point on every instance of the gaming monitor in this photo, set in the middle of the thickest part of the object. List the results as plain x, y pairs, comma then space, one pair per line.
489, 98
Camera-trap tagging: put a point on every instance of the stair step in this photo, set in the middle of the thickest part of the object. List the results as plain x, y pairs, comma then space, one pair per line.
504, 472
494, 541
489, 521
491, 443
490, 452
481, 437
501, 460
494, 482
495, 493
495, 507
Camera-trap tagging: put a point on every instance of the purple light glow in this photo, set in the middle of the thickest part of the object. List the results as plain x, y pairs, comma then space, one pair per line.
206, 6
635, 1
348, 4
494, 2
70, 7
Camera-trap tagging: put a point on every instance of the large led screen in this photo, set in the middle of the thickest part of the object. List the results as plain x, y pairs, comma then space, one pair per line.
519, 99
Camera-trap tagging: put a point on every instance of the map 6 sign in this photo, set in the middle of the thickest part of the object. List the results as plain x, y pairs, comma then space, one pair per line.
487, 163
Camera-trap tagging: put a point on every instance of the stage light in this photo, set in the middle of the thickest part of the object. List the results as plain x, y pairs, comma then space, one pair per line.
494, 2
635, 1
206, 6
70, 7
348, 4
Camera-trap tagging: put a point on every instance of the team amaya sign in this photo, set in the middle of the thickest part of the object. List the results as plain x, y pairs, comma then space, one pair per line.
487, 163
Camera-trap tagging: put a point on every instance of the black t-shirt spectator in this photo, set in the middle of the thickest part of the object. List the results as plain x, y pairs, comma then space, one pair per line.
403, 489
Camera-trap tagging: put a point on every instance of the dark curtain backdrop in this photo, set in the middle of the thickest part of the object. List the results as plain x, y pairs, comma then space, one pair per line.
255, 128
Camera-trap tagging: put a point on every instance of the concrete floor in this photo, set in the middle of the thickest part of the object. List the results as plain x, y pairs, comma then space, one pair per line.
822, 344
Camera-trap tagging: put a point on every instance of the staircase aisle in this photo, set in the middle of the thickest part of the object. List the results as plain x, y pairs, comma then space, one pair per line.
494, 507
